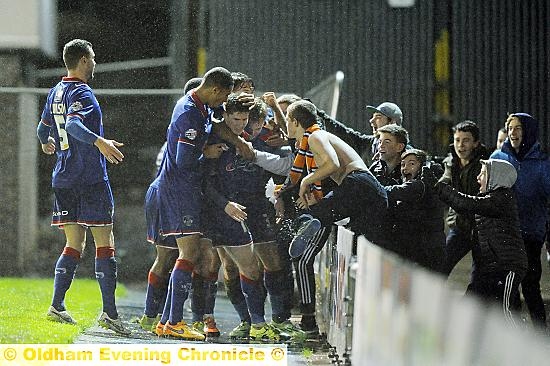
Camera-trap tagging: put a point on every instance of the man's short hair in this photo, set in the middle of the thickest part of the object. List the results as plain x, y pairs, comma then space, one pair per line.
420, 155
258, 111
467, 126
395, 130
73, 52
233, 105
240, 79
218, 77
304, 112
288, 98
191, 84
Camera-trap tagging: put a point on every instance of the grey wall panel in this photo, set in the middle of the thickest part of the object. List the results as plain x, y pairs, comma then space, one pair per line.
501, 62
500, 56
385, 53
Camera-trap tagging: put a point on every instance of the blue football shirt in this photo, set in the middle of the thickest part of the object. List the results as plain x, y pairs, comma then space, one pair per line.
78, 163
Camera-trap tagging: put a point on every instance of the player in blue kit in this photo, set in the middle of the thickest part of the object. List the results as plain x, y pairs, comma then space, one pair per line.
239, 216
173, 200
166, 255
71, 127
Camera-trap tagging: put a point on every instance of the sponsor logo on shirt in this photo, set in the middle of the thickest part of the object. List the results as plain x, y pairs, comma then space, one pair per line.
191, 134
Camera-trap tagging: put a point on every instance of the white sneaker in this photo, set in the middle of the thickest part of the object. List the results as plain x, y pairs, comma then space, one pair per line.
59, 316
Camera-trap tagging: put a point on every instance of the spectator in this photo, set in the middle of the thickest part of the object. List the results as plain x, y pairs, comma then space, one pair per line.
417, 215
462, 167
501, 136
499, 258
357, 195
532, 190
367, 145
392, 142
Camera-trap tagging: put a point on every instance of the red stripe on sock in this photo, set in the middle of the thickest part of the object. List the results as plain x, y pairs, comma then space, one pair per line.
246, 279
184, 265
105, 252
71, 252
155, 280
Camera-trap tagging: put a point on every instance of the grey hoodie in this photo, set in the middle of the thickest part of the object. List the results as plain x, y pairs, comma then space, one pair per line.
500, 173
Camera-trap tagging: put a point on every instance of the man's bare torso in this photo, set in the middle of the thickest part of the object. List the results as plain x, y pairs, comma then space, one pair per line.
348, 158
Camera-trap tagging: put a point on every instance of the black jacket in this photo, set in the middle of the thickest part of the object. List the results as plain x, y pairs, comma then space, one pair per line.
464, 179
418, 227
379, 170
499, 246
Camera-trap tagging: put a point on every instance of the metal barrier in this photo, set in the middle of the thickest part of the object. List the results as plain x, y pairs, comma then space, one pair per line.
404, 315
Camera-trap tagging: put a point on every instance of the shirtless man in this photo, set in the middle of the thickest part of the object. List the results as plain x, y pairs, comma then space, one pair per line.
358, 195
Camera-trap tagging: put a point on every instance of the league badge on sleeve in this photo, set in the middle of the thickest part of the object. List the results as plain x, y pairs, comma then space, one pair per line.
76, 106
191, 134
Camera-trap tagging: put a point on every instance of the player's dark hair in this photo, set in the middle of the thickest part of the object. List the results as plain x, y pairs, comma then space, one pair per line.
73, 52
218, 77
258, 111
240, 79
233, 105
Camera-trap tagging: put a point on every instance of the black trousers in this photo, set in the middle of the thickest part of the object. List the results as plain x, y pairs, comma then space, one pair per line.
530, 285
500, 288
361, 198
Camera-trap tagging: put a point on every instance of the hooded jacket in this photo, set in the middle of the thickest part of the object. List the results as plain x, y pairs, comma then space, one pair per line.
464, 179
499, 245
532, 188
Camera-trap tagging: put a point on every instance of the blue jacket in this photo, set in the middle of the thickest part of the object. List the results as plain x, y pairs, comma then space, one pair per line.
532, 187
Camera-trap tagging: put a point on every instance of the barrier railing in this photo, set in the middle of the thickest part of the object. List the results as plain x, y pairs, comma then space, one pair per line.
378, 309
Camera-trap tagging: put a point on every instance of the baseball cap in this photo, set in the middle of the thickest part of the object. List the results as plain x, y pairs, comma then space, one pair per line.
388, 109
